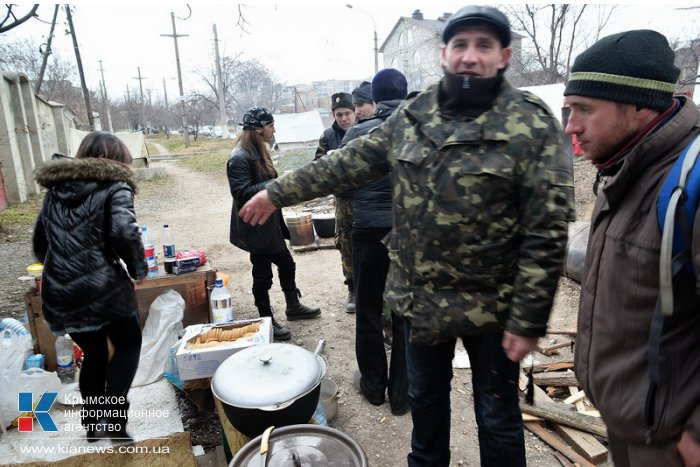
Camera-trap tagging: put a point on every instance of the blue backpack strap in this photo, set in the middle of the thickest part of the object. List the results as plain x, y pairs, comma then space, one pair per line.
681, 189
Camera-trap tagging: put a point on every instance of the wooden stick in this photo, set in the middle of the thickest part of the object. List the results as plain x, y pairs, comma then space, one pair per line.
549, 349
554, 366
563, 460
557, 413
556, 378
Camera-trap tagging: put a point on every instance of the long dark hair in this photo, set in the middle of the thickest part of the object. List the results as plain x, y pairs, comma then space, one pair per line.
251, 139
103, 145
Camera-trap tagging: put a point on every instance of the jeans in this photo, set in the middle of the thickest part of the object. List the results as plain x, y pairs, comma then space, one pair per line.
494, 380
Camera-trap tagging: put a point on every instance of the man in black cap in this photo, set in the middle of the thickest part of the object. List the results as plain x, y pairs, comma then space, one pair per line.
344, 117
362, 100
482, 193
638, 363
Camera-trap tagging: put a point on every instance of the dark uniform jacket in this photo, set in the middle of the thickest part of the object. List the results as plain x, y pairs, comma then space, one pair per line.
329, 140
245, 180
86, 226
372, 202
481, 211
619, 290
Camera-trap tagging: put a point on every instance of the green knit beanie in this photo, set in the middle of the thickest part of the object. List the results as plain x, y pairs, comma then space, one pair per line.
633, 67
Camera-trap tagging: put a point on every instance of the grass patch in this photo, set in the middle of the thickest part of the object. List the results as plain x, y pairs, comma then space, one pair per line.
176, 144
17, 221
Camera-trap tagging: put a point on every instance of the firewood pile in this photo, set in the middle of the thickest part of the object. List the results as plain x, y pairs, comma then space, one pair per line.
560, 414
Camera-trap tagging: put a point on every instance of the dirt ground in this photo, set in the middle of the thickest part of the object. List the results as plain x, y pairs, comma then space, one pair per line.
197, 207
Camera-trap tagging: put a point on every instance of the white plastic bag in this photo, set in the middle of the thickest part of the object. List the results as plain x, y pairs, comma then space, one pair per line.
14, 350
34, 380
159, 334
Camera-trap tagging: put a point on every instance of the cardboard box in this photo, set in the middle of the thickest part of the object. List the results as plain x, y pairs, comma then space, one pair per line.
202, 363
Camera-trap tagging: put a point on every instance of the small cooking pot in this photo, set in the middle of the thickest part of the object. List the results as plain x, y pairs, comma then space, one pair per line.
324, 225
269, 384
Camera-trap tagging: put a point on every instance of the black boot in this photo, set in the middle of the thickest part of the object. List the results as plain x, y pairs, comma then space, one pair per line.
117, 430
280, 332
262, 302
295, 310
89, 422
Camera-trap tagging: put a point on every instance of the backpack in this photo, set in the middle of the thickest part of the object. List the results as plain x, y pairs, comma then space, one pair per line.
678, 200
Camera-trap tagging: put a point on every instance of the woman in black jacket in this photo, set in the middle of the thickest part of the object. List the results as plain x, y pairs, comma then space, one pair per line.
249, 170
87, 237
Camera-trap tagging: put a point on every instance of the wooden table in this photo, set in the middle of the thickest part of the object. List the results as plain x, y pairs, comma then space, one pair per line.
193, 286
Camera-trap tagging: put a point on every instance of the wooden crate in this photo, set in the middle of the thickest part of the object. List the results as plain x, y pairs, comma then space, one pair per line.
194, 288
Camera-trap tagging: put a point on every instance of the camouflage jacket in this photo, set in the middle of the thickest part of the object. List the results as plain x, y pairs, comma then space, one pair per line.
480, 212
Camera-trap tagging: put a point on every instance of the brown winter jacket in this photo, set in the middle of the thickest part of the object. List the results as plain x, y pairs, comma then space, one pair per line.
619, 291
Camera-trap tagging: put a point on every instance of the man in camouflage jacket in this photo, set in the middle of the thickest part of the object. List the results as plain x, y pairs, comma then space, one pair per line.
482, 196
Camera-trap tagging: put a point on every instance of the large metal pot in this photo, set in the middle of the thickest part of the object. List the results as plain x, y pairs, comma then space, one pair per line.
269, 384
304, 446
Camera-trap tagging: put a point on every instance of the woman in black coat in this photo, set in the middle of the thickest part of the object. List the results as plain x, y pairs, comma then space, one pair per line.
87, 237
249, 169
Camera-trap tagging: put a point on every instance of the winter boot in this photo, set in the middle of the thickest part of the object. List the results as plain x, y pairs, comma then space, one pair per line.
295, 310
88, 419
120, 417
350, 304
262, 302
280, 332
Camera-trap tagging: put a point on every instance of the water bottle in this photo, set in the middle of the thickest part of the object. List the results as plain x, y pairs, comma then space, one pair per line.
149, 248
221, 308
13, 325
64, 359
168, 242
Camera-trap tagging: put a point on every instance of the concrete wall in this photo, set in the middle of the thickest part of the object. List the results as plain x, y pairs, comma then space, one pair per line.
31, 130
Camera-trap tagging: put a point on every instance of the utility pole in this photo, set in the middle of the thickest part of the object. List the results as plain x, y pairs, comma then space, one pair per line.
167, 110
104, 98
174, 35
143, 104
223, 121
47, 51
86, 95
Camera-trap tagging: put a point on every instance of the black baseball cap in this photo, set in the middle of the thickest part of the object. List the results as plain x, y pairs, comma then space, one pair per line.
475, 14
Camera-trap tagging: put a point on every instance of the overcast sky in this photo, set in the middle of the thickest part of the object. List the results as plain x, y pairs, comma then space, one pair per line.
298, 42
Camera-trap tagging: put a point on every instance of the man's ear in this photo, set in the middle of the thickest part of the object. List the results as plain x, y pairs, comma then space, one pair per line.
507, 53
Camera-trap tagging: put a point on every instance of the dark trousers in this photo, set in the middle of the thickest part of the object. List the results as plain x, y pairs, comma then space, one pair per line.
370, 267
100, 376
262, 274
498, 417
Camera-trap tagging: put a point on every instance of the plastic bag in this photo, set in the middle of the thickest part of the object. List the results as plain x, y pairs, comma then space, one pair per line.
34, 380
160, 333
171, 372
14, 350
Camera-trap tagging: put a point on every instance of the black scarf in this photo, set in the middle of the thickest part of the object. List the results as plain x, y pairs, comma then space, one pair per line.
467, 95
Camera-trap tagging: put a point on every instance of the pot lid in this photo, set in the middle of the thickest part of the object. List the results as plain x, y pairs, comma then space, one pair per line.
267, 375
304, 445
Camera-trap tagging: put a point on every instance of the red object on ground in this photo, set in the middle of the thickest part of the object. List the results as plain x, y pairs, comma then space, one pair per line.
577, 147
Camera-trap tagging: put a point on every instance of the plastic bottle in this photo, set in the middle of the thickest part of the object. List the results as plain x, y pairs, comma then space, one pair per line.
13, 325
64, 359
221, 307
149, 247
168, 240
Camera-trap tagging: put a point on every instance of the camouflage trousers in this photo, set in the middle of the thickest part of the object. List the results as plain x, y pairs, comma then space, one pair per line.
343, 237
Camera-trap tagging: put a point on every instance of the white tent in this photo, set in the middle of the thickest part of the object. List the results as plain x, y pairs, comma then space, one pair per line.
551, 94
300, 129
134, 141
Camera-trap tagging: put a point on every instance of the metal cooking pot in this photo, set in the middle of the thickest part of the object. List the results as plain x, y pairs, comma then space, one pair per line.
302, 446
269, 384
324, 225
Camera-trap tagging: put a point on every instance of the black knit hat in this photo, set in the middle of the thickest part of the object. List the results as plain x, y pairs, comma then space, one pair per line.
341, 99
389, 85
632, 67
474, 15
361, 94
257, 117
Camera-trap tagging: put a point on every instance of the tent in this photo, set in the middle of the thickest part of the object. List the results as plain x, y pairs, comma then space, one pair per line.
134, 141
551, 94
300, 129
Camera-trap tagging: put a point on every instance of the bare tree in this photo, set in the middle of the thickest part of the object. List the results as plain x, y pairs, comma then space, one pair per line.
556, 32
15, 15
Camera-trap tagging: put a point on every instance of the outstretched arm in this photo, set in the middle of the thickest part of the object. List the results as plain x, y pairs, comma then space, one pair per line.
258, 209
